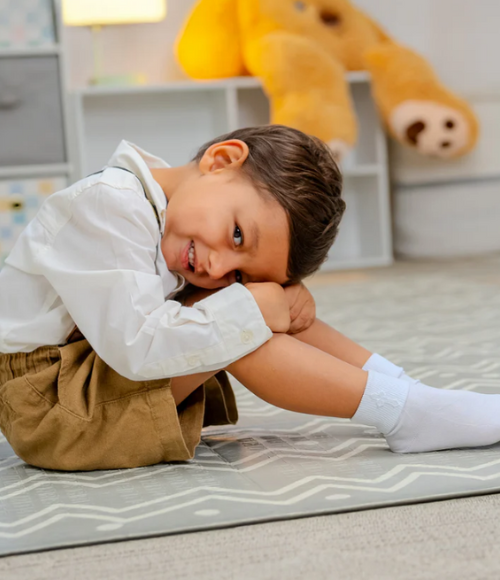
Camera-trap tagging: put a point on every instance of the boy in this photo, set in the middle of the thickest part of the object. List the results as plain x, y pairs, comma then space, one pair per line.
103, 367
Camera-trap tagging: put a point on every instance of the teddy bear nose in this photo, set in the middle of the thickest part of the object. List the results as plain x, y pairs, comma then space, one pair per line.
414, 131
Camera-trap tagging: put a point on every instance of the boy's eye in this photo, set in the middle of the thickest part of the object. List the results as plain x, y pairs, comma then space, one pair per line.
237, 236
238, 277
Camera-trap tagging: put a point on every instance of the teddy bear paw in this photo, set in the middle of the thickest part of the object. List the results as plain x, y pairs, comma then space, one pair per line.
339, 148
432, 129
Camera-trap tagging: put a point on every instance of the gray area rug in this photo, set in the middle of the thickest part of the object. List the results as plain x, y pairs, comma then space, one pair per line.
441, 324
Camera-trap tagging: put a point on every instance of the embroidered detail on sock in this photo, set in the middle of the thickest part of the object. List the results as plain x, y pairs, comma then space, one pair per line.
382, 398
382, 402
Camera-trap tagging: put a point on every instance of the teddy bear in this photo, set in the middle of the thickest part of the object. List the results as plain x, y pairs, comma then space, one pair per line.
301, 49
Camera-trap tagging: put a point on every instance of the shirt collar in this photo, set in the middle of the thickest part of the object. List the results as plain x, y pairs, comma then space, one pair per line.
135, 159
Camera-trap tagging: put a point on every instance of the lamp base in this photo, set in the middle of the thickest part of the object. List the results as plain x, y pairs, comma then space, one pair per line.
114, 80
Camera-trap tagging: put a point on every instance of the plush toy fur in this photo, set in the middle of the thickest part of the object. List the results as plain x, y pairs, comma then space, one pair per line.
301, 50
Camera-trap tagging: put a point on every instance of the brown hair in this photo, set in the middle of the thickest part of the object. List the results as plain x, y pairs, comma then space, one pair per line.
300, 173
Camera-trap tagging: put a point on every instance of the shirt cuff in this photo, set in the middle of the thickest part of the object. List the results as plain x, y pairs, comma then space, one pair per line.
238, 318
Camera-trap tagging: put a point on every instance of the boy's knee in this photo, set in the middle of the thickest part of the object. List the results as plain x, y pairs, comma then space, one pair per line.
279, 340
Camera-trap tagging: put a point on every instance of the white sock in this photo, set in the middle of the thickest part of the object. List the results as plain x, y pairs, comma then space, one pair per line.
416, 418
382, 365
382, 402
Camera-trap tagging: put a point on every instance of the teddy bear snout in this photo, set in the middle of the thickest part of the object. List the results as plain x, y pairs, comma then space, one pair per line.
431, 128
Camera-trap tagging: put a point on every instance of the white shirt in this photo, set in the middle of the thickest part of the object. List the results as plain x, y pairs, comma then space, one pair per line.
91, 257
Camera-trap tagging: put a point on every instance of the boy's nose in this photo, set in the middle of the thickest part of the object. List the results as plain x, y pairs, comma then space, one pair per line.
217, 266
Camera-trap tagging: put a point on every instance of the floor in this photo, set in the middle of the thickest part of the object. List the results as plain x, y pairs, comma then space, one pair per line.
447, 539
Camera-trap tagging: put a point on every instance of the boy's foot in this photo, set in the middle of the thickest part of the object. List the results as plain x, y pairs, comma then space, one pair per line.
434, 419
415, 417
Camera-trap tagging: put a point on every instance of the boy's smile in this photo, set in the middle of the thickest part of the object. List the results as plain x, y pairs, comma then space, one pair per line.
219, 229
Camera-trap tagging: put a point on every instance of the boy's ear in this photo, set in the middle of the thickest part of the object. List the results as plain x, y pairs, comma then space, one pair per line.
225, 155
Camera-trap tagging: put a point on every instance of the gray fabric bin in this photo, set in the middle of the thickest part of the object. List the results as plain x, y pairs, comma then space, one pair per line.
31, 122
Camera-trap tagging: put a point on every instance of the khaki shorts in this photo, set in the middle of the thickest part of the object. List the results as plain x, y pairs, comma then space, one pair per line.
63, 407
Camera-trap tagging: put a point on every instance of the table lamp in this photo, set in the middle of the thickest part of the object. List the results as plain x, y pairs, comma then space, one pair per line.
99, 13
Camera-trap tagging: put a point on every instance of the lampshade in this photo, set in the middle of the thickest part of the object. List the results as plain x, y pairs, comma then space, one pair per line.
101, 12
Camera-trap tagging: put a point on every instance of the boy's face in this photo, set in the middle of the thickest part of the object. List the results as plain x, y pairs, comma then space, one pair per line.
220, 229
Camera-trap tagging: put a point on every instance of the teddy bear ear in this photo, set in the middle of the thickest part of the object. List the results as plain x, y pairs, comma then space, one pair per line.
208, 46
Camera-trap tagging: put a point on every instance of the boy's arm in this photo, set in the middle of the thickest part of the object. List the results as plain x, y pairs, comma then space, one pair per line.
269, 296
306, 327
300, 302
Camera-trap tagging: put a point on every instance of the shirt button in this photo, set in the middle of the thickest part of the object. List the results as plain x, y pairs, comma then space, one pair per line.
246, 336
193, 361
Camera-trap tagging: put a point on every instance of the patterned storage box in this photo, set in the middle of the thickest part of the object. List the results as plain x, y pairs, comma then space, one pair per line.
25, 23
19, 202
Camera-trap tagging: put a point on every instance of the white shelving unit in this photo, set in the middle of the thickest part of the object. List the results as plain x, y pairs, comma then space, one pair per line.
36, 143
52, 56
172, 120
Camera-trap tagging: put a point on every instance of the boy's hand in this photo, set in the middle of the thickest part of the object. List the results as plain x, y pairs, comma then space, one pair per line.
272, 302
302, 308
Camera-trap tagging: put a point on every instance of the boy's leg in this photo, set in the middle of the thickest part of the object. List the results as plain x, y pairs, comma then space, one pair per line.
346, 380
298, 377
329, 340
413, 417
319, 334
323, 337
